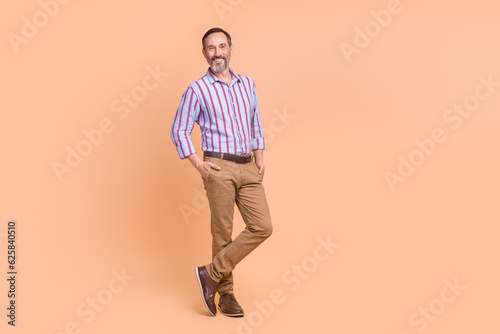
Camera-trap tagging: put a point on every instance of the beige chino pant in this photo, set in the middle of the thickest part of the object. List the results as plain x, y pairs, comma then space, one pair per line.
240, 184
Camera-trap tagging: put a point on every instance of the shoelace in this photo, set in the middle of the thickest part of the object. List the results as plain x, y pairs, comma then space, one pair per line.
231, 298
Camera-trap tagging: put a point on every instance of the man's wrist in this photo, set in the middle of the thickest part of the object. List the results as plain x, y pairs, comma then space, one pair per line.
258, 156
195, 160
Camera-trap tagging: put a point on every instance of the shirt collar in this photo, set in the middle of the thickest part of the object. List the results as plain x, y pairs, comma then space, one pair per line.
212, 78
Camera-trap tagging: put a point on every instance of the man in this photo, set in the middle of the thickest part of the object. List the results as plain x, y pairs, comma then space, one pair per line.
224, 105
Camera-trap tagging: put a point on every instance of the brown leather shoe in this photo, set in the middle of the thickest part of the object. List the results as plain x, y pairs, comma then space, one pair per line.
208, 289
229, 306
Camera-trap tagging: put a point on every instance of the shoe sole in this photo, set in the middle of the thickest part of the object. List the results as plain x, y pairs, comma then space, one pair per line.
239, 315
201, 289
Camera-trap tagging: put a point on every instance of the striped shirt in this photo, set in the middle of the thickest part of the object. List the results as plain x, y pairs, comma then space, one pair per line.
228, 116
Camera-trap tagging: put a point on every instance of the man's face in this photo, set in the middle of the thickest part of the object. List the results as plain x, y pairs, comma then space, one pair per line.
217, 52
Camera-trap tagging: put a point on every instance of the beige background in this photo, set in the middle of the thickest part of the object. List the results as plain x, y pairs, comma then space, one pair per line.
133, 205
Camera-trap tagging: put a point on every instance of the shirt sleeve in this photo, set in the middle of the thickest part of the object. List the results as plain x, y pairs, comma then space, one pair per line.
258, 142
183, 125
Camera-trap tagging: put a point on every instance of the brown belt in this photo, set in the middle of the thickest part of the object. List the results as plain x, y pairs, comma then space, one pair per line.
239, 159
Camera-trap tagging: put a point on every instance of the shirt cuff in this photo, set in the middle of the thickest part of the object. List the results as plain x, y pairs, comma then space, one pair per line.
184, 151
258, 144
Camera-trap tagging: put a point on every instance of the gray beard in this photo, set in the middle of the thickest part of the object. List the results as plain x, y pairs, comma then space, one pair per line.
219, 68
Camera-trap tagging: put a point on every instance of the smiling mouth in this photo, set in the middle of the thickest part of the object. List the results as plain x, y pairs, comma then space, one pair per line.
218, 60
